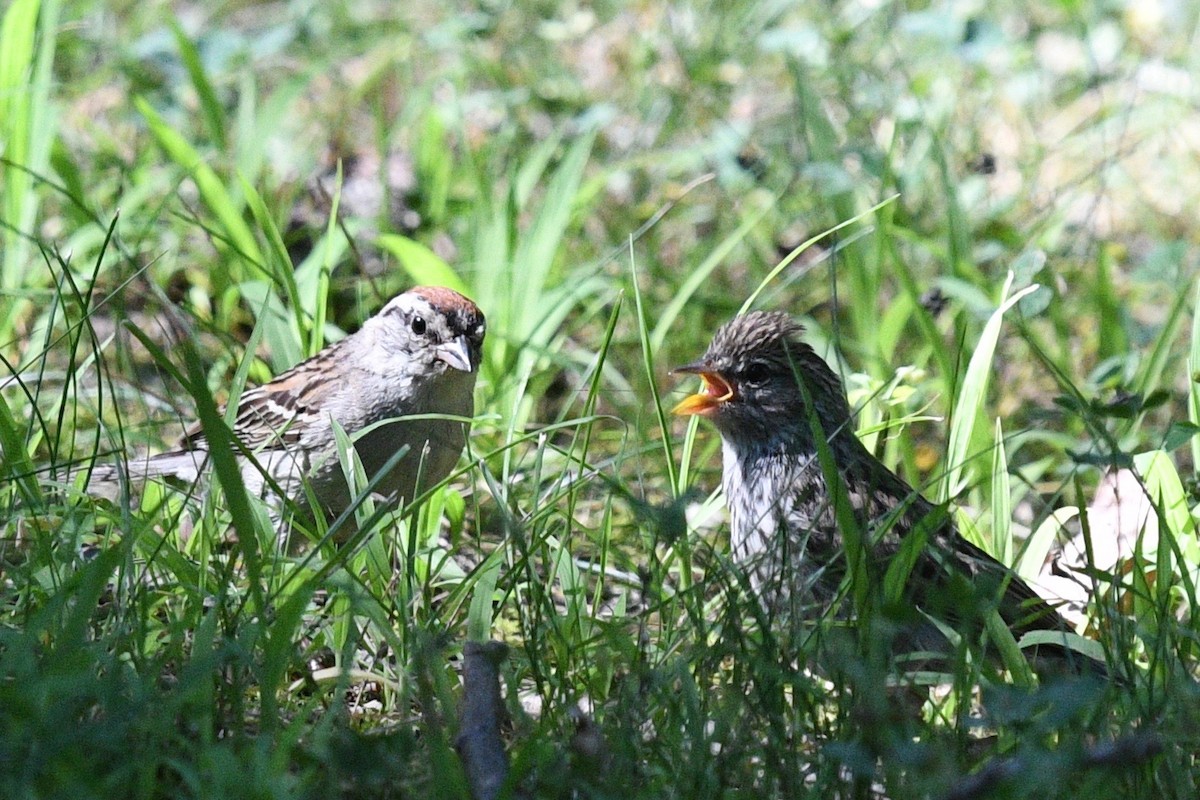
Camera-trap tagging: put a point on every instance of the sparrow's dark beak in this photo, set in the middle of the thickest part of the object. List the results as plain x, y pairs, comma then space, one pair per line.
456, 353
715, 391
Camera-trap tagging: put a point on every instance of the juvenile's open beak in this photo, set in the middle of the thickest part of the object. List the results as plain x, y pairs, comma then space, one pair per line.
456, 353
714, 391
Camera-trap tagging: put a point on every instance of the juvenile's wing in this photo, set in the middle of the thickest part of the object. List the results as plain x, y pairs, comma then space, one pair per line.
952, 579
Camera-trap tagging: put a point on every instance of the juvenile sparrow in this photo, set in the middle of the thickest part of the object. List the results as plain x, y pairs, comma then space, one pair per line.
763, 388
418, 357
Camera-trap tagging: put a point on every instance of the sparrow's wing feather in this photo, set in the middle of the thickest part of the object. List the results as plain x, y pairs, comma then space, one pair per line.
1020, 606
947, 556
263, 420
267, 414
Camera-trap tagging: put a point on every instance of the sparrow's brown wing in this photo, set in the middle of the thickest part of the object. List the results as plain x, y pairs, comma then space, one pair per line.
1021, 608
267, 414
949, 568
263, 420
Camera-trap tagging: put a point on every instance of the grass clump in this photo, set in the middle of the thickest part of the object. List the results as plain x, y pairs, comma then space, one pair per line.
194, 200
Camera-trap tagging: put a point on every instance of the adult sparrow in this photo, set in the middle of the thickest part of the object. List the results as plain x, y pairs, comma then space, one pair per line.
402, 383
768, 394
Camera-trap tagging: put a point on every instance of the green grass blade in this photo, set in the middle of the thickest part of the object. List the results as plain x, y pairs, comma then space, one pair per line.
210, 107
972, 396
329, 257
537, 247
796, 251
212, 191
28, 129
703, 271
278, 261
1002, 547
278, 650
222, 455
483, 595
648, 352
1033, 553
423, 265
434, 165
1193, 365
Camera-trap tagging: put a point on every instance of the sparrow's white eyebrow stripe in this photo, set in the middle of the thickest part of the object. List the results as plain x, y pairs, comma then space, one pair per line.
379, 385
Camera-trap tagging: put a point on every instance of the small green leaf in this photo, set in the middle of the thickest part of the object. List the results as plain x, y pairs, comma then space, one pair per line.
1179, 434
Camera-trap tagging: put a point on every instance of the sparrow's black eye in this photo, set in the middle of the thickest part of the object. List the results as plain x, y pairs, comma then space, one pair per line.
418, 326
756, 372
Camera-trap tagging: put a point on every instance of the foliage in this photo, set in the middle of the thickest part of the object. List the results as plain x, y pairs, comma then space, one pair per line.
983, 215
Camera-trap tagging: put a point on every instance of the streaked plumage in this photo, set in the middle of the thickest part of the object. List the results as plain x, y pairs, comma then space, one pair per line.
418, 356
763, 387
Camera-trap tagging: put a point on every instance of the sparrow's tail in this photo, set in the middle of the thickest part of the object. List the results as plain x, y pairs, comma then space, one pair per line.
107, 480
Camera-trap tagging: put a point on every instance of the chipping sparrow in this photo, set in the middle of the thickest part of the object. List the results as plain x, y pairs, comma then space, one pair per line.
763, 388
418, 356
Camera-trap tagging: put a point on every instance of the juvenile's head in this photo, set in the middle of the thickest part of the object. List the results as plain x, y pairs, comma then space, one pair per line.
755, 376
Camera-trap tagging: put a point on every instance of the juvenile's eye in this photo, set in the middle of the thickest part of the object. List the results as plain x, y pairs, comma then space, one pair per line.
418, 326
758, 372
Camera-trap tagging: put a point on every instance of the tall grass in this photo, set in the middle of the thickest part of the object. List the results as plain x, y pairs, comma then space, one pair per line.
27, 128
608, 187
